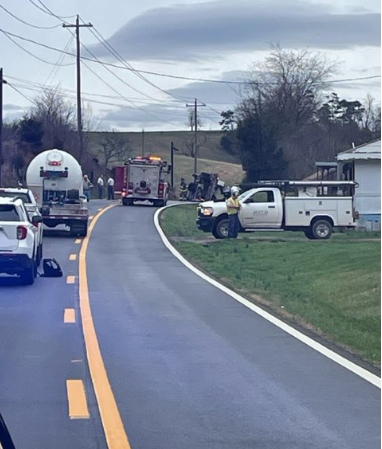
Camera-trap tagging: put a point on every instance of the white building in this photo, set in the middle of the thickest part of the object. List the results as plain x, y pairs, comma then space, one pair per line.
363, 165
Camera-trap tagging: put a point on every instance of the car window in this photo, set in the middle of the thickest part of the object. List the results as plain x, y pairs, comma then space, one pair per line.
265, 196
24, 197
8, 212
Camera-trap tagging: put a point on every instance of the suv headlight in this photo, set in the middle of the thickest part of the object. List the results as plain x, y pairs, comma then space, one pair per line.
206, 211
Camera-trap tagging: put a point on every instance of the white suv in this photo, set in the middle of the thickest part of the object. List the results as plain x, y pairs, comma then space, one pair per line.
27, 197
18, 240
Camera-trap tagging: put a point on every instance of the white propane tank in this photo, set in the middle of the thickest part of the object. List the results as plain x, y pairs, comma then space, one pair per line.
55, 161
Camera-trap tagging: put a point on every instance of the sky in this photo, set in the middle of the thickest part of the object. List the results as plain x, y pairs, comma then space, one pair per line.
150, 46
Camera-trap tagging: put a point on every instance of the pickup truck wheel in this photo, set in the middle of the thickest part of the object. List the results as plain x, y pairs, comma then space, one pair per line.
220, 231
322, 230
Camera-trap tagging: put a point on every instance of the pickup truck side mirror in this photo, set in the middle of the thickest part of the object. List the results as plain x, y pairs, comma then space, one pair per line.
37, 219
248, 201
44, 210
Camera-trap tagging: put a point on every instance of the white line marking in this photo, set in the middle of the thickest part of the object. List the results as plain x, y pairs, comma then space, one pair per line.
366, 375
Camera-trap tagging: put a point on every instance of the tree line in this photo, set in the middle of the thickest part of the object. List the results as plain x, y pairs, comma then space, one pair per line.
285, 122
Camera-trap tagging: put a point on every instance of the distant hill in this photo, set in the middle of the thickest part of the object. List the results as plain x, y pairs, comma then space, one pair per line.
159, 143
212, 158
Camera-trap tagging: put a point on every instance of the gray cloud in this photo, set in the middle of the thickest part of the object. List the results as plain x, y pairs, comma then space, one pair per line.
217, 97
216, 29
13, 107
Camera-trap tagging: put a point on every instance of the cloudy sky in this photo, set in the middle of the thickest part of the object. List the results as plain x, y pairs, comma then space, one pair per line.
151, 46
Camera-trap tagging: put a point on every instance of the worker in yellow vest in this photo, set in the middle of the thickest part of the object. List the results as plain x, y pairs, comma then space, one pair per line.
233, 208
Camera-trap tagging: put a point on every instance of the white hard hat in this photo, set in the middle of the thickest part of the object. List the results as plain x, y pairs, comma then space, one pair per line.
235, 190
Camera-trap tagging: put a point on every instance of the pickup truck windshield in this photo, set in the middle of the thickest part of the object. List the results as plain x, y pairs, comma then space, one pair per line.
8, 213
23, 196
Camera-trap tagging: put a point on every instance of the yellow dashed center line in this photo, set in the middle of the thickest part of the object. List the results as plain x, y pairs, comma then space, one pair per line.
69, 316
73, 257
115, 432
78, 406
70, 279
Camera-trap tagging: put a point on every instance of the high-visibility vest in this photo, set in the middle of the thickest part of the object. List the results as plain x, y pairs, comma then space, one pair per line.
233, 206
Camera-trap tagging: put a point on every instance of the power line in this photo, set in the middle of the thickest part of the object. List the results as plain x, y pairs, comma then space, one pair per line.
20, 93
60, 60
46, 10
205, 80
27, 23
8, 35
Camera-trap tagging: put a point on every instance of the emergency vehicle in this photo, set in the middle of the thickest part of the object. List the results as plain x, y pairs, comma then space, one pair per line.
145, 179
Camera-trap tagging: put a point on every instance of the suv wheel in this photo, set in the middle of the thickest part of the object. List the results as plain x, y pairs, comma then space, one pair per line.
29, 274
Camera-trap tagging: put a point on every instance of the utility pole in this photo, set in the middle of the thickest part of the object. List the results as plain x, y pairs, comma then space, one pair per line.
195, 133
172, 163
2, 81
77, 26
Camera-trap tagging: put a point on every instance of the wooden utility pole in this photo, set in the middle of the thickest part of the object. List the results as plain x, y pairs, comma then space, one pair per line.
77, 26
2, 81
195, 133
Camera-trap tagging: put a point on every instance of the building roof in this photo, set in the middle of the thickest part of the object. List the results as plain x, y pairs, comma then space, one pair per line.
366, 151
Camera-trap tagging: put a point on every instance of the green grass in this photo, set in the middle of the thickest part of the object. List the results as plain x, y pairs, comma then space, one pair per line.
331, 286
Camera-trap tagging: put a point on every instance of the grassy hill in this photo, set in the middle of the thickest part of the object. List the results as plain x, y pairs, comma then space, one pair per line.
212, 158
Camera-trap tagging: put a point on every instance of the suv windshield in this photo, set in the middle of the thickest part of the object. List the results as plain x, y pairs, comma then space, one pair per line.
8, 213
23, 196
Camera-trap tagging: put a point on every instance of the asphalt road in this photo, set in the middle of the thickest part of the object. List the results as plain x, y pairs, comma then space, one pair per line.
189, 366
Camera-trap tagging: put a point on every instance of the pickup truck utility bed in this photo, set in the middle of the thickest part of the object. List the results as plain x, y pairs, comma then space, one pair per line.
314, 207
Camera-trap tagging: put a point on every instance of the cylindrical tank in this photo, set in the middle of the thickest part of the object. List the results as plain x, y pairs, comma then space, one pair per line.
51, 161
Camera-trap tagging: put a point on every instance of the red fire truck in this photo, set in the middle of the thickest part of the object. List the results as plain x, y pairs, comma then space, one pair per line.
145, 178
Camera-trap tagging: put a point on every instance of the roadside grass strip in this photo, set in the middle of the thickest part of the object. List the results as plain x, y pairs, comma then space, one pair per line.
329, 287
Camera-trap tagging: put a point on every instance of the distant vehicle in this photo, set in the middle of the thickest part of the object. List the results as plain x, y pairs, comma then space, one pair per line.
55, 178
314, 207
27, 197
145, 178
18, 240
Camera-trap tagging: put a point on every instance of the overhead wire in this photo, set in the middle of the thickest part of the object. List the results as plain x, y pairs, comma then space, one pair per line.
206, 80
8, 35
46, 10
60, 60
27, 23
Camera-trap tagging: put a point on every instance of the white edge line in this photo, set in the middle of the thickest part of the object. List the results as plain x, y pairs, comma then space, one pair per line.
365, 374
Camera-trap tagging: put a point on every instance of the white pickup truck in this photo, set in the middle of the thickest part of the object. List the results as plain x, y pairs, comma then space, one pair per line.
314, 207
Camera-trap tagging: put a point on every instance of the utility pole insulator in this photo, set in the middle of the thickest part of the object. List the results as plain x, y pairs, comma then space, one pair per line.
77, 26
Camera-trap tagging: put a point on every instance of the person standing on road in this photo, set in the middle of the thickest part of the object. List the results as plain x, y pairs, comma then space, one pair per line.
233, 208
100, 183
110, 188
87, 185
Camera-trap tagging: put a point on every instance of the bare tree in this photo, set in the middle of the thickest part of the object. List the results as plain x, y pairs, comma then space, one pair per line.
114, 148
58, 119
191, 120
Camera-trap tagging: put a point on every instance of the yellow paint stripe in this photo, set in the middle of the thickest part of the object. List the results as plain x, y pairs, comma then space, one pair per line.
115, 432
70, 279
73, 257
78, 406
78, 241
69, 316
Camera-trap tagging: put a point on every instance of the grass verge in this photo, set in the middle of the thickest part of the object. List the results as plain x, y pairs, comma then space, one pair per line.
331, 287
